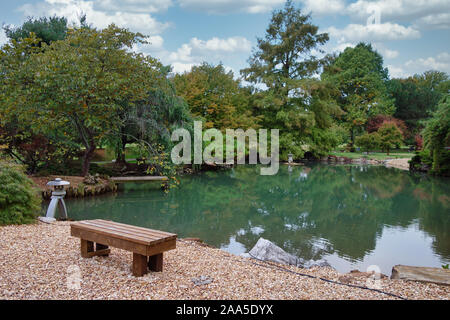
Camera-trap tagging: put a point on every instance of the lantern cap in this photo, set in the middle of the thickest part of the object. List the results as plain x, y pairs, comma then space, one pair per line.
58, 182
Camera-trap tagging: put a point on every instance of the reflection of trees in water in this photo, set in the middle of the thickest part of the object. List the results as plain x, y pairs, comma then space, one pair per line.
346, 206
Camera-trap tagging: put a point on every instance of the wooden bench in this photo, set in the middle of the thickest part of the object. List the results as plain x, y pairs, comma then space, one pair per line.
147, 245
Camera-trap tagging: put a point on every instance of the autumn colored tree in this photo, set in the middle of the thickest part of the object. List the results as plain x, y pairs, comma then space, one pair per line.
214, 96
375, 123
81, 81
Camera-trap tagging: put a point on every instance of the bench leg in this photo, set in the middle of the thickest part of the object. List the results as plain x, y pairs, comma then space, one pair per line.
87, 247
139, 265
155, 263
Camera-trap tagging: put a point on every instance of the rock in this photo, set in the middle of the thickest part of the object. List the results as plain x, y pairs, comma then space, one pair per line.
317, 263
47, 219
422, 274
202, 280
90, 180
267, 251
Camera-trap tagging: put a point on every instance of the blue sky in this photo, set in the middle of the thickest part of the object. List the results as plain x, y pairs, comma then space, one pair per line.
412, 35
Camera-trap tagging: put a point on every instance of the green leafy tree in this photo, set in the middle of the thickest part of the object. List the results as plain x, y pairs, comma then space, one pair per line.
369, 141
19, 199
437, 138
150, 122
390, 136
416, 97
46, 29
283, 65
81, 81
360, 78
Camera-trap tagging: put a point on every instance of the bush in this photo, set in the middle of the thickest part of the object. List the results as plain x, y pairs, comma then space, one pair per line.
19, 200
368, 141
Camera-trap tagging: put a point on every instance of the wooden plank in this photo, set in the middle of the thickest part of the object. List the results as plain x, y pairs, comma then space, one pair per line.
162, 233
112, 233
139, 265
161, 247
135, 231
109, 241
422, 274
138, 179
102, 253
150, 232
155, 262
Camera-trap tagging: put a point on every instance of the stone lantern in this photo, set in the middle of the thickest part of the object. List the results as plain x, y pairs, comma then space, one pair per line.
57, 198
290, 158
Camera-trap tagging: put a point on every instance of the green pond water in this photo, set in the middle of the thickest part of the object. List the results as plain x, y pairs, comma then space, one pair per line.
351, 216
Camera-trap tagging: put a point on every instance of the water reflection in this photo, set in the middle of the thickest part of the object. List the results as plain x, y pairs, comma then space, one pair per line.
350, 215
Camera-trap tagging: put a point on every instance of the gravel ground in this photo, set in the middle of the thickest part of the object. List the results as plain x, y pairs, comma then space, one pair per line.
41, 261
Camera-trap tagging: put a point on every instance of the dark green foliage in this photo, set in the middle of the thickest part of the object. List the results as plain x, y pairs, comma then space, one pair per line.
46, 29
19, 201
417, 97
360, 79
437, 138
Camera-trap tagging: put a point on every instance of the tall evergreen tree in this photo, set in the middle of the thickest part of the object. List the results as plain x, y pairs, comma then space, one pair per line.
289, 99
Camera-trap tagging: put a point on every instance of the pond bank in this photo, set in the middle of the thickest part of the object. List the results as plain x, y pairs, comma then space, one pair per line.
77, 189
38, 260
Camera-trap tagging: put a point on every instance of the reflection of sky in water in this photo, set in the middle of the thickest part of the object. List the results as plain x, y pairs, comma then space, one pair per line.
413, 244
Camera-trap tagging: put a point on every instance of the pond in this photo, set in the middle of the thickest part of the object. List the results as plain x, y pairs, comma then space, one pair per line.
352, 216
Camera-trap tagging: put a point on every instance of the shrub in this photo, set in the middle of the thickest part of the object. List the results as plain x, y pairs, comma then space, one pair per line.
368, 141
19, 200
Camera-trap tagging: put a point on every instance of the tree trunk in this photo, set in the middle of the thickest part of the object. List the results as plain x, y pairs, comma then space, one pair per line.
87, 160
121, 151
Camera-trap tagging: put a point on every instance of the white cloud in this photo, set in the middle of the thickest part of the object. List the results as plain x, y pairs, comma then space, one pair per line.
421, 11
324, 7
228, 6
385, 52
196, 51
139, 6
3, 38
73, 9
373, 32
441, 62
396, 72
342, 46
435, 21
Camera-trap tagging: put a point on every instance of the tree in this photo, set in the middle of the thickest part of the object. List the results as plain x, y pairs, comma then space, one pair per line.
360, 78
390, 136
437, 138
214, 96
81, 81
152, 120
369, 141
19, 201
283, 65
375, 123
46, 29
416, 97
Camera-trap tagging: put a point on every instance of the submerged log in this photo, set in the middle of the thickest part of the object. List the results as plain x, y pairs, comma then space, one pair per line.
422, 274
